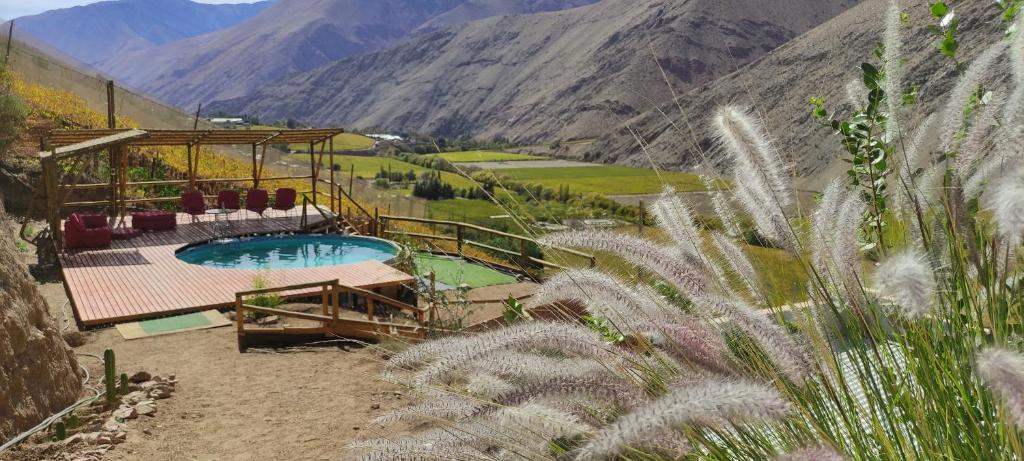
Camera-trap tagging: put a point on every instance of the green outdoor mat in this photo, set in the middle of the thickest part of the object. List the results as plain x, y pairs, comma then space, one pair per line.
187, 322
456, 271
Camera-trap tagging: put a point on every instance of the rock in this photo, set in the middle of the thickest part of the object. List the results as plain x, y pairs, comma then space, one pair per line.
147, 431
73, 338
146, 409
72, 440
375, 406
126, 413
160, 392
140, 377
355, 428
135, 397
112, 425
270, 319
103, 439
172, 377
120, 437
230, 315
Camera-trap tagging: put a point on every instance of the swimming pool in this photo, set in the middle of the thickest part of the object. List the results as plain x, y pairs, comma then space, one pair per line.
291, 251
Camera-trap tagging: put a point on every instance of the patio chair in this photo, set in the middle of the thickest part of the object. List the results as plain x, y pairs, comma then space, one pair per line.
192, 203
256, 201
86, 231
284, 200
228, 200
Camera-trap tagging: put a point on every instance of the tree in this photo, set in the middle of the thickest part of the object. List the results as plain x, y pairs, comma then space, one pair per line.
12, 111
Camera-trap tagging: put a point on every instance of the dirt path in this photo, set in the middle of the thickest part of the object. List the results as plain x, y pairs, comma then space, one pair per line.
254, 406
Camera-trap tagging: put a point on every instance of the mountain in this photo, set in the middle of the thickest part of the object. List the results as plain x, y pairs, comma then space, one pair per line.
473, 10
288, 37
819, 63
97, 31
540, 77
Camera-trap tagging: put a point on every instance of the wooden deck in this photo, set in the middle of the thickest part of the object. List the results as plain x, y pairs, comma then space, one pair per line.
142, 278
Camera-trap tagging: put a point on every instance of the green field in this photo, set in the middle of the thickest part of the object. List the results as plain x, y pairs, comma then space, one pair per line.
605, 179
484, 156
342, 142
368, 167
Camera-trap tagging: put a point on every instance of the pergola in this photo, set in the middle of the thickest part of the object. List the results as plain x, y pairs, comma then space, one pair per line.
75, 145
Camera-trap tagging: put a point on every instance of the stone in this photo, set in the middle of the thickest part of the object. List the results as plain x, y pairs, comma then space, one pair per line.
146, 409
147, 431
375, 406
135, 397
268, 320
126, 413
160, 392
140, 377
355, 428
112, 425
74, 439
119, 437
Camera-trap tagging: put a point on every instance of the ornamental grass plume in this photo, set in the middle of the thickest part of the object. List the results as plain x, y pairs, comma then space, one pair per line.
675, 216
711, 403
952, 119
759, 172
812, 454
1006, 200
683, 272
907, 280
1003, 371
893, 84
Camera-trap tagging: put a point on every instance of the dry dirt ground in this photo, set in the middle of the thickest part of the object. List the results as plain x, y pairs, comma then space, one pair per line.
255, 406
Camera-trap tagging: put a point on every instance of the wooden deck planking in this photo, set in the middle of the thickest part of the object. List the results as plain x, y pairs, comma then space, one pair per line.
142, 278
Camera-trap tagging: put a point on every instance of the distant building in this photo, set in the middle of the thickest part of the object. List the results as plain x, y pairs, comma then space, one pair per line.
386, 137
228, 122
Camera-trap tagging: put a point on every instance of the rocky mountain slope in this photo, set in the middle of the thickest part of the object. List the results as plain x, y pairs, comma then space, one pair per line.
778, 86
97, 31
541, 77
39, 372
290, 36
473, 10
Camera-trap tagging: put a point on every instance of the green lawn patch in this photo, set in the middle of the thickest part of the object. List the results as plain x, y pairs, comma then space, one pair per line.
606, 179
342, 142
456, 271
485, 156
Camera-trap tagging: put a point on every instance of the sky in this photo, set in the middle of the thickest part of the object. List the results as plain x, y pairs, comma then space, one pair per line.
15, 8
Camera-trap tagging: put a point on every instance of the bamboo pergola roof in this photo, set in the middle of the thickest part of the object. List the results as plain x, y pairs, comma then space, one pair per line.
60, 138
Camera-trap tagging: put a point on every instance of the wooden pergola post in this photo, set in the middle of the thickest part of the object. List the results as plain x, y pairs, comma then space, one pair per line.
331, 161
191, 176
114, 158
49, 166
255, 173
313, 169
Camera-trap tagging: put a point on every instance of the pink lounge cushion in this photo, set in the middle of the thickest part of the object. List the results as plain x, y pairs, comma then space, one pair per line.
256, 200
284, 199
228, 200
192, 203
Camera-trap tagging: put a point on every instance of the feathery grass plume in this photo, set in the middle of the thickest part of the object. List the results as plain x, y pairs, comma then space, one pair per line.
738, 262
423, 352
675, 216
609, 389
953, 113
694, 343
1003, 371
1006, 200
1016, 52
812, 454
523, 367
907, 189
488, 386
606, 296
565, 338
908, 281
792, 357
442, 405
724, 211
709, 403
893, 84
685, 273
988, 169
856, 93
835, 251
762, 180
437, 444
972, 148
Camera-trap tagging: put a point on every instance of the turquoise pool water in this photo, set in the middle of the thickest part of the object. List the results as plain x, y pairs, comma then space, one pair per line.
293, 251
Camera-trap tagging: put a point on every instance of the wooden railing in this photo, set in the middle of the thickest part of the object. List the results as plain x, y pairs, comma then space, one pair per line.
459, 237
330, 320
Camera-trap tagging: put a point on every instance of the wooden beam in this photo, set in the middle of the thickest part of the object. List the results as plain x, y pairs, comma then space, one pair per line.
96, 144
49, 167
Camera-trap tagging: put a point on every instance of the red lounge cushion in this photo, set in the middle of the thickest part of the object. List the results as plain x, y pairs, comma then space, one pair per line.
125, 233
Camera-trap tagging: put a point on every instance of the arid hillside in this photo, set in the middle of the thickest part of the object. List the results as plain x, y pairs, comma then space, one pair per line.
97, 31
540, 77
819, 63
290, 36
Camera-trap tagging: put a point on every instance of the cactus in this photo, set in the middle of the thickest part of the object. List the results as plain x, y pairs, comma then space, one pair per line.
61, 430
124, 383
109, 375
